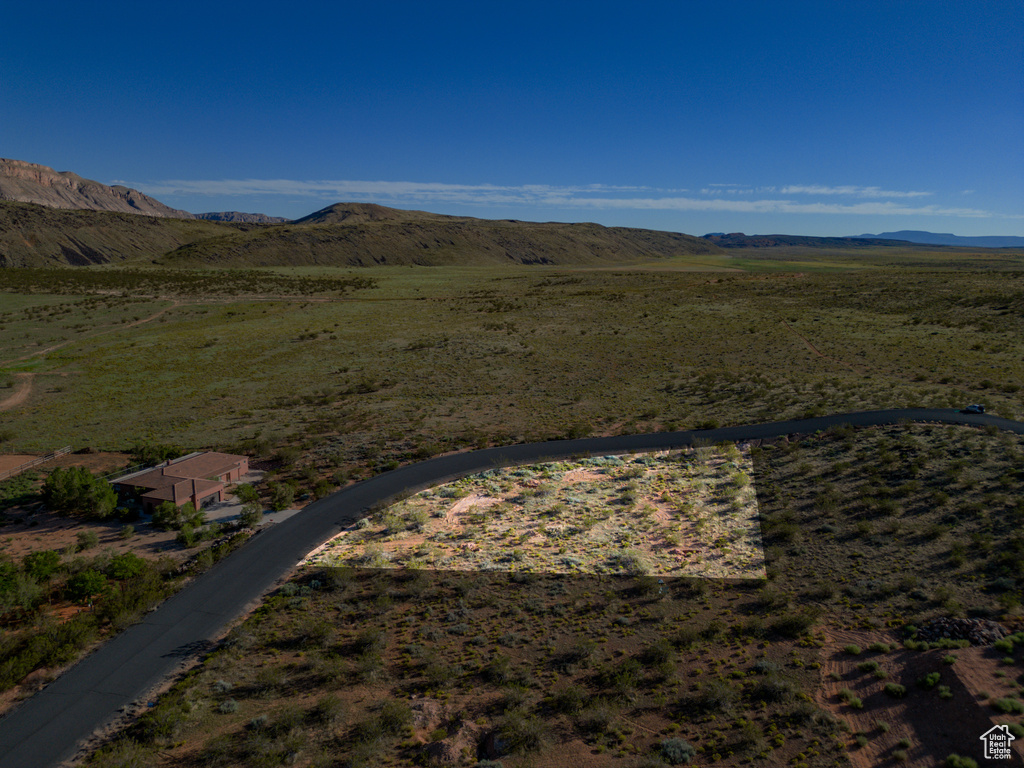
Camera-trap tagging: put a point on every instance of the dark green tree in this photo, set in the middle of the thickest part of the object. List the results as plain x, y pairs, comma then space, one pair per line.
85, 585
75, 491
41, 565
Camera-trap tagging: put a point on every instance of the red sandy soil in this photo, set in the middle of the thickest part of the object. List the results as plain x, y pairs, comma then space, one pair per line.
935, 727
9, 461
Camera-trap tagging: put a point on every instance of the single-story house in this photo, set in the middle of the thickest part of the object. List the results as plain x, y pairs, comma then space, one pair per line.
198, 477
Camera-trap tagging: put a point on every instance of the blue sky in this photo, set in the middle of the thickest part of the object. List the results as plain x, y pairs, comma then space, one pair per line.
797, 117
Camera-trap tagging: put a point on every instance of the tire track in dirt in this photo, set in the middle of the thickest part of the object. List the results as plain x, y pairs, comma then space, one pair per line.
815, 350
21, 392
149, 319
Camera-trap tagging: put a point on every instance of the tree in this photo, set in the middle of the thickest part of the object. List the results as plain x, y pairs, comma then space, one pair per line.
75, 491
156, 454
85, 585
125, 566
247, 494
171, 517
41, 565
251, 515
281, 496
167, 515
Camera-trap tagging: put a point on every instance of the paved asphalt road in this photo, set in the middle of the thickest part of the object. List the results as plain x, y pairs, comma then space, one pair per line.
46, 729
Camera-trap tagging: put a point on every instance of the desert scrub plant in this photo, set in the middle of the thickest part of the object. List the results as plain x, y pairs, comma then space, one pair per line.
677, 751
124, 753
959, 761
930, 680
522, 732
596, 717
895, 690
230, 706
1008, 706
569, 700
850, 698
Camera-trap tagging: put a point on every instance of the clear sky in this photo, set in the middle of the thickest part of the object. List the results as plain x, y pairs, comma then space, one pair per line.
816, 118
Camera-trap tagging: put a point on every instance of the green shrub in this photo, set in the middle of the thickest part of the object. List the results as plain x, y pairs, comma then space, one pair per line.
522, 733
896, 690
851, 698
126, 753
677, 751
156, 454
1009, 706
794, 625
930, 680
945, 692
957, 761
569, 701
853, 650
228, 707
87, 539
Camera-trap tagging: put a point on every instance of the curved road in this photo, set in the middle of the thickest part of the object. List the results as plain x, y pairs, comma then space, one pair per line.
48, 728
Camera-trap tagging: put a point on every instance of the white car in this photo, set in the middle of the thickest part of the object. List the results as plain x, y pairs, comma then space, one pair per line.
974, 408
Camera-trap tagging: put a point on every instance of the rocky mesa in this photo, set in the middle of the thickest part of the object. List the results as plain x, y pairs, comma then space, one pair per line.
25, 182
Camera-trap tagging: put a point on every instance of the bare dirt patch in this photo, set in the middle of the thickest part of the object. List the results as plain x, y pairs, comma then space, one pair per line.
690, 513
928, 722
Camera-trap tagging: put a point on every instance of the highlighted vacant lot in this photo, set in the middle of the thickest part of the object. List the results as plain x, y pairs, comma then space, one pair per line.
687, 513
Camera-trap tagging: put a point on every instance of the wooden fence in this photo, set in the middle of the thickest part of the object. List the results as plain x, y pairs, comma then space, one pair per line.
35, 462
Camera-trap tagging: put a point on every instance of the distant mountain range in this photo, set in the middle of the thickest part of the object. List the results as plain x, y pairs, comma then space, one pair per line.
49, 217
32, 183
740, 240
364, 234
937, 238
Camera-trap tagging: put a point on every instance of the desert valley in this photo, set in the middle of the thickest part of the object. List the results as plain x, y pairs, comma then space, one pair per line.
840, 595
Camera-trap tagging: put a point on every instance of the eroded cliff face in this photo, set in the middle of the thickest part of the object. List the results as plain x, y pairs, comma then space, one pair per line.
32, 183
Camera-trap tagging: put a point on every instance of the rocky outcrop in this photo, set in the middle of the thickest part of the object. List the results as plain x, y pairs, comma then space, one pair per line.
31, 183
976, 631
245, 218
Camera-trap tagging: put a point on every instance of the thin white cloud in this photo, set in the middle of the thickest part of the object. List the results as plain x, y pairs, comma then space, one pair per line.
777, 206
334, 189
819, 189
714, 197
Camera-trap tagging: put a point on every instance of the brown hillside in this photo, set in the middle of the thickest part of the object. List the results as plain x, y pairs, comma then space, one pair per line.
35, 235
32, 183
356, 234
